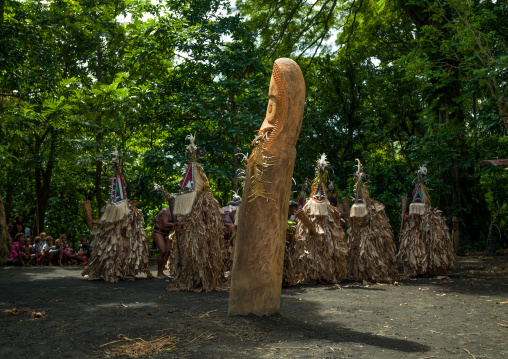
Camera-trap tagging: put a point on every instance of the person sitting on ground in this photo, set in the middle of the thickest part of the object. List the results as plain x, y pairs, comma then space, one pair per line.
71, 257
26, 254
43, 236
16, 248
44, 243
63, 238
50, 250
84, 249
59, 251
37, 251
65, 254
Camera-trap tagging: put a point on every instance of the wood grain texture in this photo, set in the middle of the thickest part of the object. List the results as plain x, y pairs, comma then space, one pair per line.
256, 277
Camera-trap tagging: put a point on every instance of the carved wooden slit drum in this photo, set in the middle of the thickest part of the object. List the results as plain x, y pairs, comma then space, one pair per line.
256, 276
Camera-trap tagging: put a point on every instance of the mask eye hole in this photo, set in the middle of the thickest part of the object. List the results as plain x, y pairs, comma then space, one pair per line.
270, 108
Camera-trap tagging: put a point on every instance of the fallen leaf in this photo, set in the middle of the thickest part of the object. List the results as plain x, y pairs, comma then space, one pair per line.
502, 302
125, 306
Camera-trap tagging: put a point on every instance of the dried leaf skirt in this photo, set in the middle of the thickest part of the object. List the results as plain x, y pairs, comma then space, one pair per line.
320, 257
198, 255
426, 247
288, 271
120, 249
371, 247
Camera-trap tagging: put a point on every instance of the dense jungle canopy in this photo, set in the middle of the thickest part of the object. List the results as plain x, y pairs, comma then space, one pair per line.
395, 83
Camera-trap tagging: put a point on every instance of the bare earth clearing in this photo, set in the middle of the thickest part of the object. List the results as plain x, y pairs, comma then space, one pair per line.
464, 315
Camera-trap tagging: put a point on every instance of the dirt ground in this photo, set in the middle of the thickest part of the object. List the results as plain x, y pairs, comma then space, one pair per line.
464, 315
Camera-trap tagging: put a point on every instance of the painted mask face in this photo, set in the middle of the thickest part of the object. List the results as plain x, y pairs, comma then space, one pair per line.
319, 193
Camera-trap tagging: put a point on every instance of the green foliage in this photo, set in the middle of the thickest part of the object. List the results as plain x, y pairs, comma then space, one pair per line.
406, 83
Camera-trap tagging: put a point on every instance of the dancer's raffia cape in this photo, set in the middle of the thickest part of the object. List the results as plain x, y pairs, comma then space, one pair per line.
199, 262
120, 248
320, 257
320, 251
288, 271
256, 277
371, 247
370, 239
198, 255
426, 247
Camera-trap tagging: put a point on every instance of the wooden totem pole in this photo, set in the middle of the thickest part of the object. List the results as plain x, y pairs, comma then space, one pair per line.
256, 277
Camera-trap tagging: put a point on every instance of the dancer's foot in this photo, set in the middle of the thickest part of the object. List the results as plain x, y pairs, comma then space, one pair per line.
161, 276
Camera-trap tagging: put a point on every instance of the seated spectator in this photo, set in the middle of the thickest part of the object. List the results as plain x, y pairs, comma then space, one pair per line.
66, 254
37, 251
43, 236
50, 250
59, 251
16, 248
69, 256
84, 249
26, 254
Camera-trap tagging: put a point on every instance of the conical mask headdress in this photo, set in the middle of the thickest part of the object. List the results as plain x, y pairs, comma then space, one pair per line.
359, 208
420, 195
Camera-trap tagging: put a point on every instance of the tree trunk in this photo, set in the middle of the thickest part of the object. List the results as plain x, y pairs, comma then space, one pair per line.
98, 176
43, 180
459, 177
6, 247
234, 182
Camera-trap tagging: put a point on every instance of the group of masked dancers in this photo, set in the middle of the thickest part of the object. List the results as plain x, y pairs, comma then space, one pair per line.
320, 253
196, 236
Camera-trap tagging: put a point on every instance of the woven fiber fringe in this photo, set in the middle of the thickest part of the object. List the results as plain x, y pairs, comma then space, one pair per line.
320, 257
87, 210
426, 246
371, 247
359, 210
417, 208
183, 203
115, 212
318, 208
202, 251
120, 249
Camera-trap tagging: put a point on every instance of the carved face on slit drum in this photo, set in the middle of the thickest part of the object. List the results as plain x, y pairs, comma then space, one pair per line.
276, 109
278, 118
